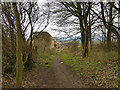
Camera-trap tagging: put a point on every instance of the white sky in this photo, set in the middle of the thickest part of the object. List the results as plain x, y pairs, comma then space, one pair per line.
53, 33
50, 26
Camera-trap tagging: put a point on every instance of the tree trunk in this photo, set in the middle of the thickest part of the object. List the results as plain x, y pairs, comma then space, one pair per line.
109, 30
86, 43
106, 25
84, 39
109, 40
19, 51
84, 28
90, 40
119, 47
90, 34
81, 30
83, 43
30, 62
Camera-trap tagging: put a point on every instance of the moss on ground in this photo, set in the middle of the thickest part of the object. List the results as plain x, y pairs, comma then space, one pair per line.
46, 58
99, 66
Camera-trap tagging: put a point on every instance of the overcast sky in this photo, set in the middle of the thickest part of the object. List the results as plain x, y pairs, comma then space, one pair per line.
51, 26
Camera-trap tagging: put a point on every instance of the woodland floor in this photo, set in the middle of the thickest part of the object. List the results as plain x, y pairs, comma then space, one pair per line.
58, 75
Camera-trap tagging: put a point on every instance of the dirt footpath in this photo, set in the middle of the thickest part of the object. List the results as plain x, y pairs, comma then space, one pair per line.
61, 76
58, 75
64, 76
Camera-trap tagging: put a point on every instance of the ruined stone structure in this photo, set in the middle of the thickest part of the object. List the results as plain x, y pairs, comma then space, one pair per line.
43, 39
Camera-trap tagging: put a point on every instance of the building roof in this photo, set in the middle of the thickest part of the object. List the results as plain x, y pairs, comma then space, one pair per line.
35, 34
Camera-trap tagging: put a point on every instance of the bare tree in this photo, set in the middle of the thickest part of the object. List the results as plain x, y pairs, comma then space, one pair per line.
81, 11
110, 26
33, 16
19, 44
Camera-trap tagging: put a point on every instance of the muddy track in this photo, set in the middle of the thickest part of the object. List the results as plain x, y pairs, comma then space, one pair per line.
58, 75
61, 76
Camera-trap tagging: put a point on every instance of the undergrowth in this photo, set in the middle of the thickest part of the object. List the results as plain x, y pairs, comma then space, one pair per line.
46, 58
101, 67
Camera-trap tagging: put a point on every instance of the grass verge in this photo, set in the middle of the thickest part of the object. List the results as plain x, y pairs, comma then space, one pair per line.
100, 67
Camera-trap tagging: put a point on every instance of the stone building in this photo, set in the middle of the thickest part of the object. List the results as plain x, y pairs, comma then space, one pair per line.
43, 39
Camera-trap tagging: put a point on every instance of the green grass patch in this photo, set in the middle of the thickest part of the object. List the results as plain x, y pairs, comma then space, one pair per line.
52, 56
76, 68
79, 73
47, 57
99, 64
48, 60
47, 65
36, 64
